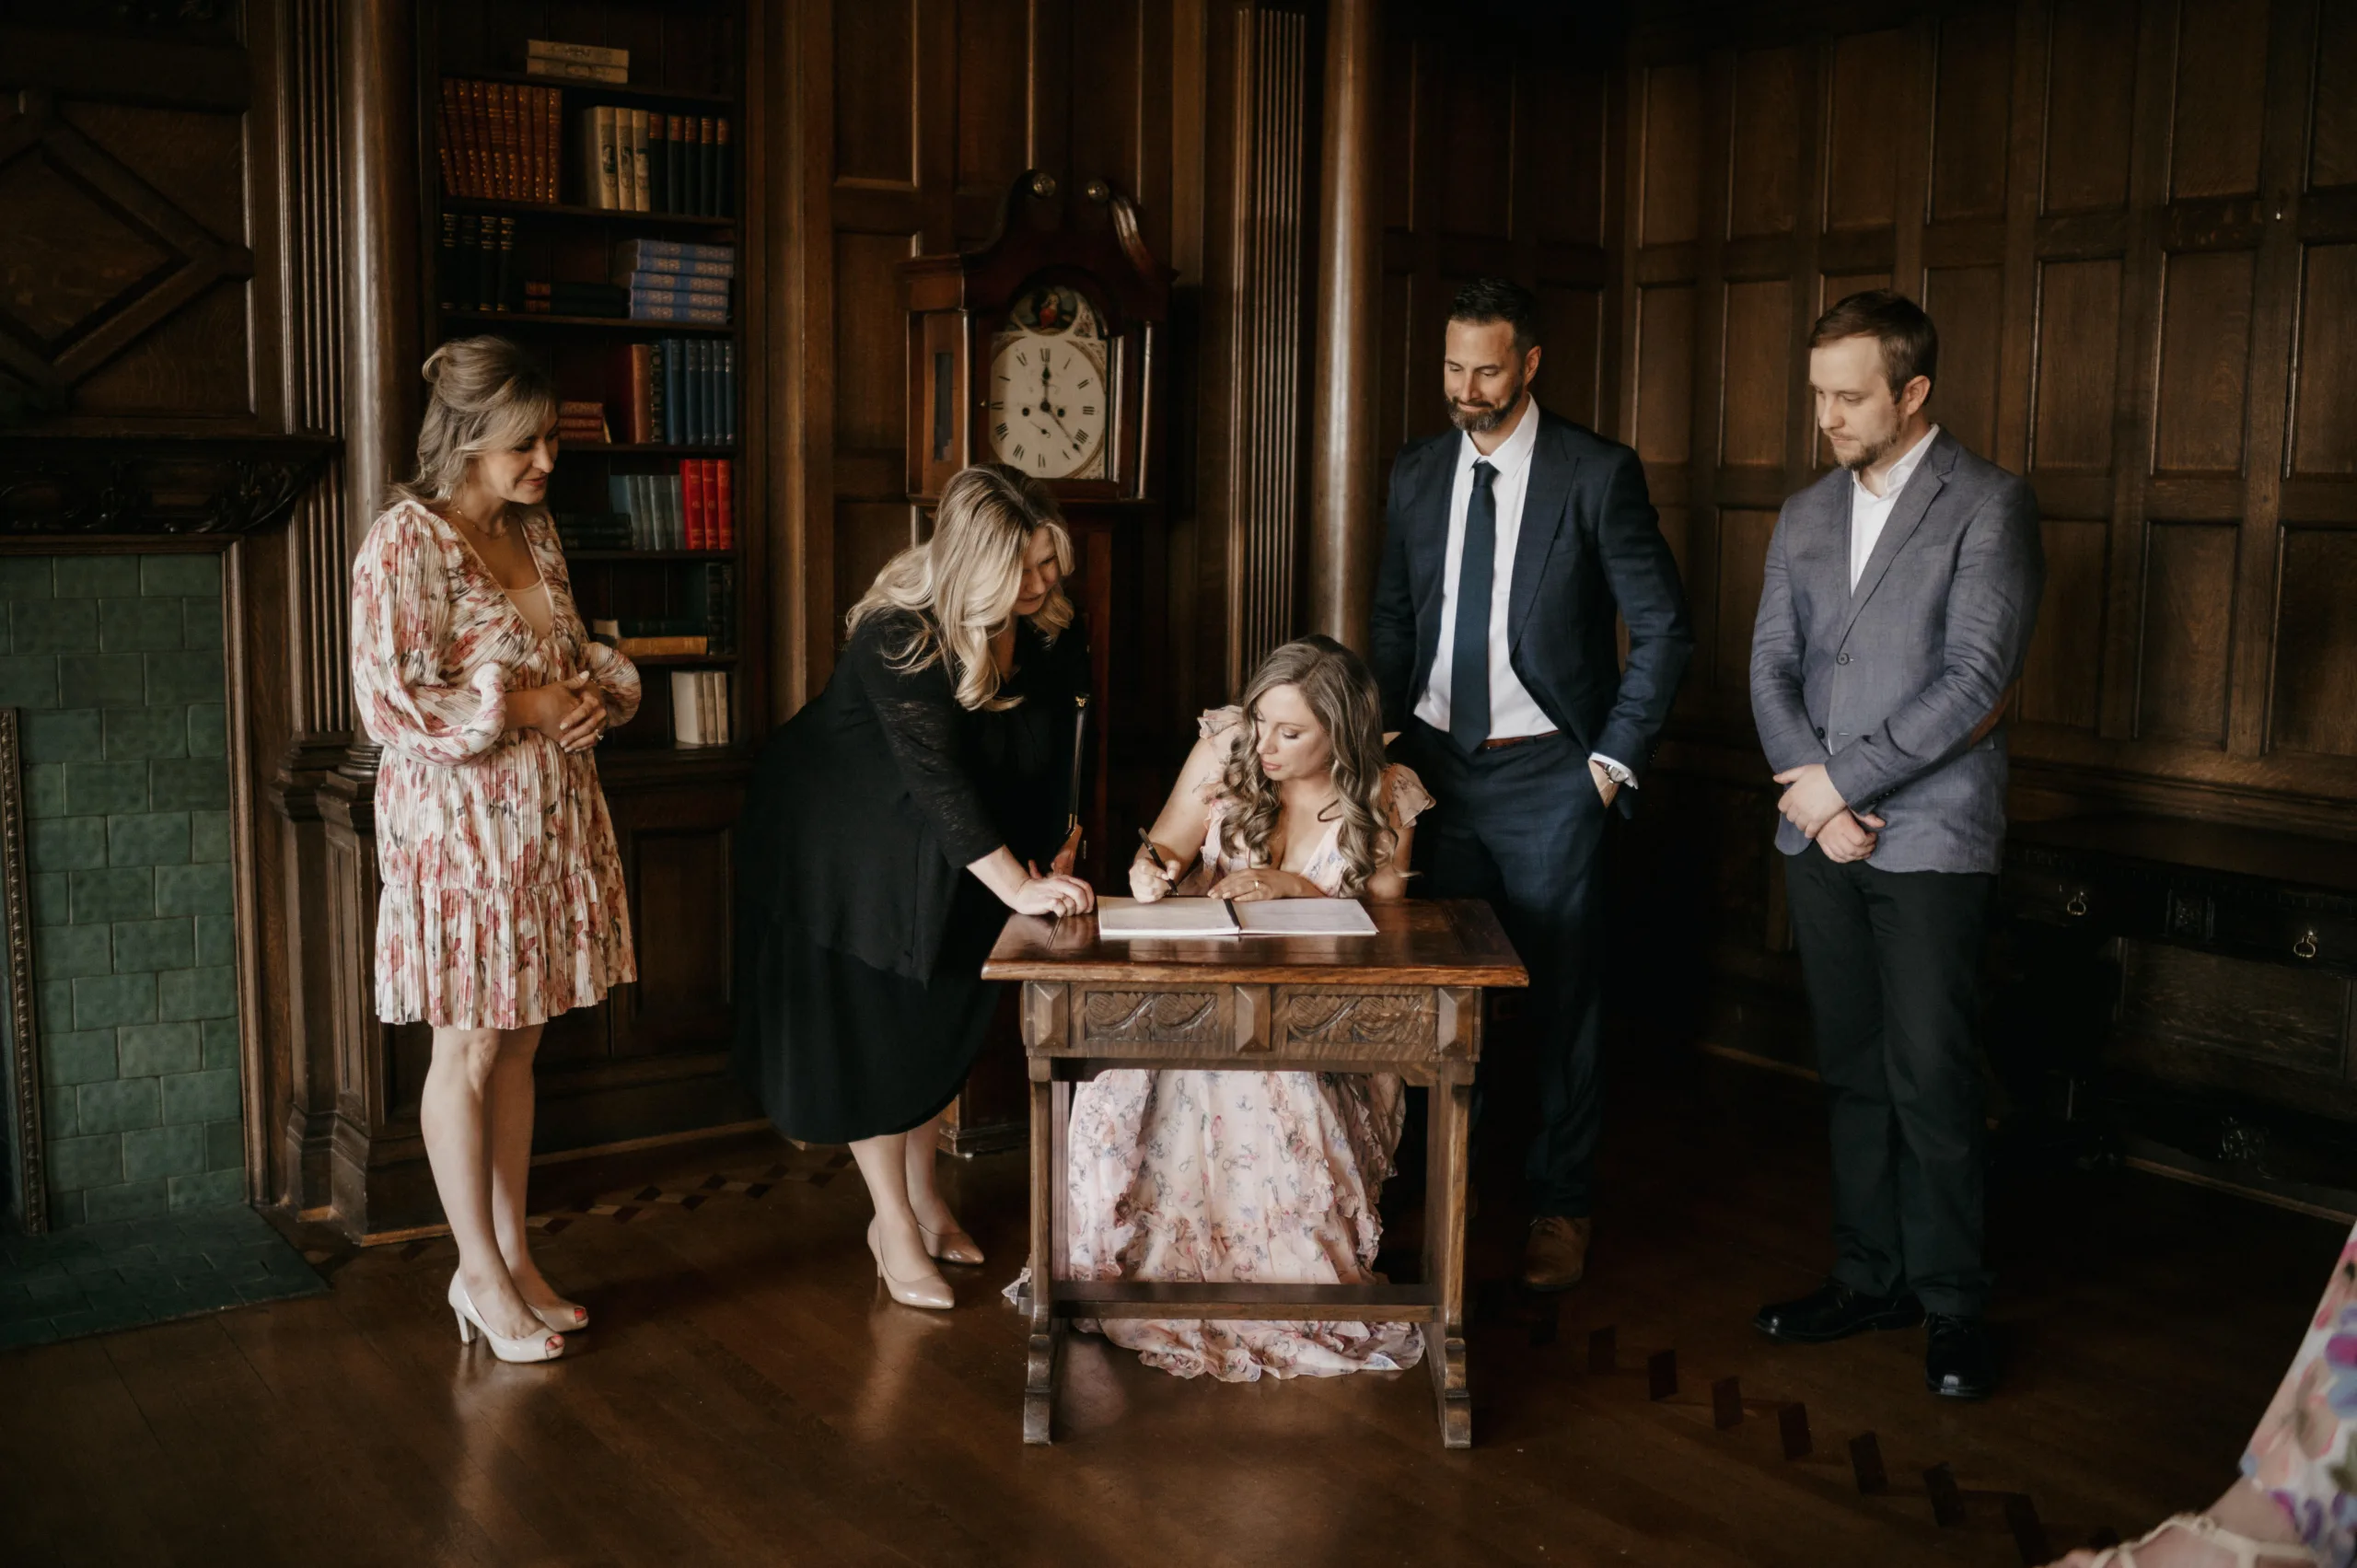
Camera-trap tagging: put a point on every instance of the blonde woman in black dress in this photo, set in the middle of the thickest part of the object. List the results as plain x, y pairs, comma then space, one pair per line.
891, 825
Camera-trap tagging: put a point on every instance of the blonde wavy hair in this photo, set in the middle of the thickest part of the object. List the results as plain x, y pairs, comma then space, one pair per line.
488, 395
963, 582
1341, 696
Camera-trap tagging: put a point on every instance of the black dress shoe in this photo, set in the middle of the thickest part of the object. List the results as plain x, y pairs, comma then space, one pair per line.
1835, 1312
1959, 1358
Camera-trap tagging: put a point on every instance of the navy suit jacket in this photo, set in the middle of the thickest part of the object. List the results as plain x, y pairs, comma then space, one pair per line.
1590, 548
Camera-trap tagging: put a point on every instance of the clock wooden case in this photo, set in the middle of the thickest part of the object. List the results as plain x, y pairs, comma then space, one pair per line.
1067, 287
1042, 350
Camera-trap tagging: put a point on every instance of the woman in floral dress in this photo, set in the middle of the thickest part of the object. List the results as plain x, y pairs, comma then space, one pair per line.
1259, 1177
503, 901
2297, 1500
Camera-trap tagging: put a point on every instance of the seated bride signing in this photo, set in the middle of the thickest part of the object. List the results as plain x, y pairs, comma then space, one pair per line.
1257, 1177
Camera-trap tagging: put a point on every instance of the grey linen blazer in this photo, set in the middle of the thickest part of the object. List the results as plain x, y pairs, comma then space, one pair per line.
1888, 685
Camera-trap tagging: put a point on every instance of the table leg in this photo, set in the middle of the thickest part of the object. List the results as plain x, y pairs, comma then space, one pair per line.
1450, 1131
1047, 1195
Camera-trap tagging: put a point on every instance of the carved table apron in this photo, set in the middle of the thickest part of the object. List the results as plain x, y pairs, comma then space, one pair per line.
1406, 1000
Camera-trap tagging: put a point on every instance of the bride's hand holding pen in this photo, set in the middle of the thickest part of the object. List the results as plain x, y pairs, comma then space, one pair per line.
1151, 876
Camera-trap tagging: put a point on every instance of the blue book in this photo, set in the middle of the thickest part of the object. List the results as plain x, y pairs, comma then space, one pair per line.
728, 394
710, 382
641, 517
682, 282
702, 315
695, 437
633, 252
674, 403
643, 297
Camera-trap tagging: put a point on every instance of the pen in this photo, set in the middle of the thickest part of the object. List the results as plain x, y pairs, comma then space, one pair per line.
1155, 851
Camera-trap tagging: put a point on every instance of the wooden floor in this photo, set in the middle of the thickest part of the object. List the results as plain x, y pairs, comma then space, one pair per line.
748, 1396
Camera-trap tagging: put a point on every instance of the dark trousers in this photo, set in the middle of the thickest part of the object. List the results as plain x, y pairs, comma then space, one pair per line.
1522, 827
1892, 961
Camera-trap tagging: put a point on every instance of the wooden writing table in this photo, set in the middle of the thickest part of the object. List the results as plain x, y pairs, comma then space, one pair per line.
1406, 1000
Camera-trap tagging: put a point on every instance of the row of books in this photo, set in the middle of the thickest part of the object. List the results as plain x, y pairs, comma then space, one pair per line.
636, 160
581, 419
478, 272
699, 707
666, 281
685, 258
499, 140
694, 508
478, 262
676, 392
576, 62
655, 298
707, 625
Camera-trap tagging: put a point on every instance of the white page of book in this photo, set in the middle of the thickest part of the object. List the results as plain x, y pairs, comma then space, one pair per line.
1164, 918
1305, 917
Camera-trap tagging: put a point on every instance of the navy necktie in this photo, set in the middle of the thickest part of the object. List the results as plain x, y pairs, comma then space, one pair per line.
1469, 673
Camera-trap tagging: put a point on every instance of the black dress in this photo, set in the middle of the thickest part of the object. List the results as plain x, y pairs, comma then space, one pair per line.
861, 934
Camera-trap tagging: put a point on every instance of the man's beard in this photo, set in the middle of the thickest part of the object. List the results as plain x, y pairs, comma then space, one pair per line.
1482, 422
1871, 453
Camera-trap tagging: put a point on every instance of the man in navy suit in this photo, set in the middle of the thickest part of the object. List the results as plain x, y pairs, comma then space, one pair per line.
1510, 546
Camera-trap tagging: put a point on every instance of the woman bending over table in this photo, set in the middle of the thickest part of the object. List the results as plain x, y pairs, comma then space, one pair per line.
890, 826
1261, 1177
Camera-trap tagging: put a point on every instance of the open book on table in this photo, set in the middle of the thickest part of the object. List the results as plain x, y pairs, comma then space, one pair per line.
1170, 918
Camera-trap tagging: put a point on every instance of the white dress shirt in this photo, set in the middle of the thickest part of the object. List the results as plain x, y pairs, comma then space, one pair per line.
1513, 711
1869, 512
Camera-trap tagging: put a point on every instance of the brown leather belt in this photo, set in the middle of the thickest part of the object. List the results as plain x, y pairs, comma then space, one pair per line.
1501, 742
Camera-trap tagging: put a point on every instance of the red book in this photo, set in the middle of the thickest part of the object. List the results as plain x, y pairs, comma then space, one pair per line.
691, 494
724, 504
711, 503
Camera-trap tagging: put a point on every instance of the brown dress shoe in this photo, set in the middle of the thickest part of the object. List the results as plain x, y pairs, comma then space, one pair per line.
1555, 1258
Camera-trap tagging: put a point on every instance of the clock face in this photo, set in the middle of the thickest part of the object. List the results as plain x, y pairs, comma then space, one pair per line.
1047, 407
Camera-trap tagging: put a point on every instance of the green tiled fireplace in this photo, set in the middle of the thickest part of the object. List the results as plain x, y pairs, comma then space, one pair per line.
116, 661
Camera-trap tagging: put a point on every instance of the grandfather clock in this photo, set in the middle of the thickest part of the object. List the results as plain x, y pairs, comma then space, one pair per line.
1042, 350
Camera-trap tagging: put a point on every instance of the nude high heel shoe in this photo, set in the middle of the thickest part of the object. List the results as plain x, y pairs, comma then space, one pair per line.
951, 1246
529, 1348
565, 1318
933, 1295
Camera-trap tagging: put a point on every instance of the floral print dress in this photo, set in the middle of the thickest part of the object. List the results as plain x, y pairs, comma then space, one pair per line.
503, 902
1260, 1177
2303, 1454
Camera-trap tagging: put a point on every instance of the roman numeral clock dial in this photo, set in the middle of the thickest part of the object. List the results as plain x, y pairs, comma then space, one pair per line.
1046, 405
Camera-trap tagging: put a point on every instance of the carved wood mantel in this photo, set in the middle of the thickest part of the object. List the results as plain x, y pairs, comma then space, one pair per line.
56, 492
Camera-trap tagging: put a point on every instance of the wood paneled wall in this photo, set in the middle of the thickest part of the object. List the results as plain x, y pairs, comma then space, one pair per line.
2136, 222
1495, 159
2133, 222
906, 121
1269, 241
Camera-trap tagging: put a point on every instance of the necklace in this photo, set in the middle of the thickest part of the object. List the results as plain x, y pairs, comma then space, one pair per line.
460, 512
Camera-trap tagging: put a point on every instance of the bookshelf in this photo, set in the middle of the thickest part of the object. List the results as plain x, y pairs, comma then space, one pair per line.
505, 158
652, 1062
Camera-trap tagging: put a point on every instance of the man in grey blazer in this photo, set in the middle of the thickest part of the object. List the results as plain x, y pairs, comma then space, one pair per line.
1895, 610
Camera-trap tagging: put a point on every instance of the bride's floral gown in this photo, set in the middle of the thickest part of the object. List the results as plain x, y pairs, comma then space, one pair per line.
1259, 1177
2303, 1454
